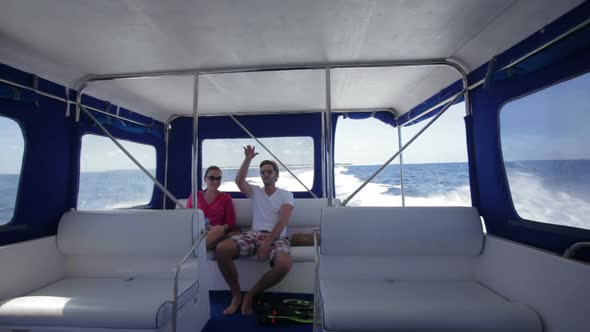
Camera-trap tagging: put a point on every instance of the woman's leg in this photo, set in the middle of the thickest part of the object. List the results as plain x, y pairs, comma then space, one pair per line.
215, 235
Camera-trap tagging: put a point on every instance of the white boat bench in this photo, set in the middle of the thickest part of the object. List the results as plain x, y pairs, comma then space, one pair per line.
305, 218
111, 270
409, 269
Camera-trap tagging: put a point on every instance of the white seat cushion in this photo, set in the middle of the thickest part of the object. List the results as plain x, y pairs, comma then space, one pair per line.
98, 302
365, 305
149, 233
401, 231
307, 212
303, 254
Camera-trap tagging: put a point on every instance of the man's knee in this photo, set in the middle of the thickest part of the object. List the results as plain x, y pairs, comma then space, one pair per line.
227, 249
283, 262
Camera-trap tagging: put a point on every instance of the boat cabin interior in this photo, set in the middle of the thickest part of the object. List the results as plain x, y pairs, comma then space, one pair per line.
436, 151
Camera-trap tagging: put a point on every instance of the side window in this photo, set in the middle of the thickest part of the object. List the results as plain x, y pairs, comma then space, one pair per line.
435, 166
436, 170
109, 179
296, 153
545, 146
360, 148
12, 146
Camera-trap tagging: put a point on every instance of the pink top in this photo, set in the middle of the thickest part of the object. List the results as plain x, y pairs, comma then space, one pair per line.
219, 212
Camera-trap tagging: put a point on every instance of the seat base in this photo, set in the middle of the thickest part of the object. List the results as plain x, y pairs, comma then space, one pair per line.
98, 303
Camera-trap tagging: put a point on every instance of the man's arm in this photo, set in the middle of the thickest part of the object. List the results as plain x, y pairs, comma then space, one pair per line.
244, 186
284, 216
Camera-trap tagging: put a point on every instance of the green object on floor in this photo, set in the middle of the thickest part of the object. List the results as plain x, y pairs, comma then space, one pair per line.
273, 312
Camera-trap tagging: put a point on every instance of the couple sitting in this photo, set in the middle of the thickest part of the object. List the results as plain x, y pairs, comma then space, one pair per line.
271, 210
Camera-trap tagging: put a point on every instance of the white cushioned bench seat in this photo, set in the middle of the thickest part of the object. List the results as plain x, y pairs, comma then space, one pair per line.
98, 302
119, 274
409, 269
299, 254
306, 215
461, 306
305, 218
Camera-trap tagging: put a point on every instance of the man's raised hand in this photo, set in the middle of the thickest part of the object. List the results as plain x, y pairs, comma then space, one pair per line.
249, 152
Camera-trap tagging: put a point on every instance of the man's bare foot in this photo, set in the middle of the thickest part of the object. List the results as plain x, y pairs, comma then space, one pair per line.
247, 304
236, 301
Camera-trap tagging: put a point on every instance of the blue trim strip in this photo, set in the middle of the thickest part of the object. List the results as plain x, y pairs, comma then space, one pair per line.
383, 116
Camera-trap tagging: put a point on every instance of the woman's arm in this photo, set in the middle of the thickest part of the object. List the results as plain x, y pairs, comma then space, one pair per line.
189, 202
229, 216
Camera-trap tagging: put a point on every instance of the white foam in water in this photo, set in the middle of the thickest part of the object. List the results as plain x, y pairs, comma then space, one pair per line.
126, 204
375, 194
286, 181
534, 201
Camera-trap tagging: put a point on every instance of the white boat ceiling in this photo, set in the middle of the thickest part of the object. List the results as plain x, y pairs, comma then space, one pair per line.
64, 40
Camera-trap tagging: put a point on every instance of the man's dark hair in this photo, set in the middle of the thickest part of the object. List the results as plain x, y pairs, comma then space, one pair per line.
211, 168
272, 163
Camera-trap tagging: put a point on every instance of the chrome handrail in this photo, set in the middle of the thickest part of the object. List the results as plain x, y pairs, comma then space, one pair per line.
177, 273
316, 233
571, 251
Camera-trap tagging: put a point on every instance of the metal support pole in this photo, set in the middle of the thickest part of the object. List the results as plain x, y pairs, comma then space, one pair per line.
166, 137
272, 154
401, 164
571, 251
195, 140
145, 171
404, 147
468, 110
316, 289
323, 154
329, 150
299, 66
179, 265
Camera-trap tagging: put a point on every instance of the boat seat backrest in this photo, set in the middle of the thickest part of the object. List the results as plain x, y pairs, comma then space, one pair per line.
306, 215
411, 243
128, 232
407, 231
126, 243
307, 212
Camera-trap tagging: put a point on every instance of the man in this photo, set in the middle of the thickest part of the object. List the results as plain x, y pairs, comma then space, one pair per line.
271, 210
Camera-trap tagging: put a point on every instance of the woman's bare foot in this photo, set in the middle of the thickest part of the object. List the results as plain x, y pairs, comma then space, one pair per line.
247, 304
236, 301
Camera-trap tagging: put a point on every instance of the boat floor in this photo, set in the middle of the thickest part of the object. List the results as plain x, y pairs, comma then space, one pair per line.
220, 322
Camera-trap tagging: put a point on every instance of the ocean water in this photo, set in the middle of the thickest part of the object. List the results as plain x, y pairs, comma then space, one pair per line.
556, 191
114, 189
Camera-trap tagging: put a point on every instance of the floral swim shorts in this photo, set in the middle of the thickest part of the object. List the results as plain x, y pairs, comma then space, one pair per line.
249, 242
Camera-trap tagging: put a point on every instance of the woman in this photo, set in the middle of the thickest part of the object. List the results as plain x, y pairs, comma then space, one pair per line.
220, 216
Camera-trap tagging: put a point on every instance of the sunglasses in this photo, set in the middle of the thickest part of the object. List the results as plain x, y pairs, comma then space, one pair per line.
267, 171
214, 178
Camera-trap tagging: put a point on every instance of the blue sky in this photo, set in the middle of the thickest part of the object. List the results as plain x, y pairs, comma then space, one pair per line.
101, 154
11, 146
550, 124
